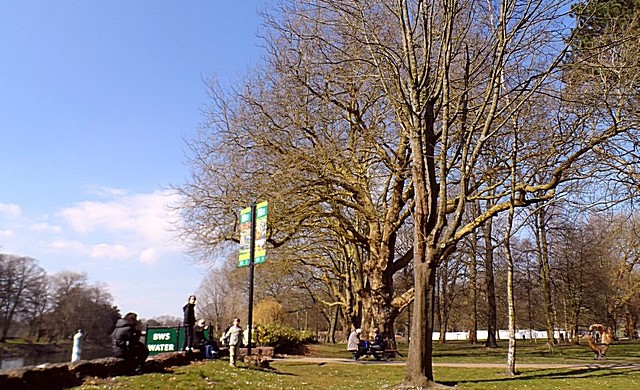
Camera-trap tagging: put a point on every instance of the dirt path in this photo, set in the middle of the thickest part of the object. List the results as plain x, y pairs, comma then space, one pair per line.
594, 366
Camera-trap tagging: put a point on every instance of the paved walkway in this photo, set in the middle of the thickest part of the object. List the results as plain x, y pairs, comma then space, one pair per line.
320, 360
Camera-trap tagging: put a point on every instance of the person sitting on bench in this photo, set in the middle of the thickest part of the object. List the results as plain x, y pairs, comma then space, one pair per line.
206, 344
378, 340
355, 345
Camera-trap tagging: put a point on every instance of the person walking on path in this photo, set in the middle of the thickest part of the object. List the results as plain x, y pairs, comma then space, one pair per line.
189, 321
234, 334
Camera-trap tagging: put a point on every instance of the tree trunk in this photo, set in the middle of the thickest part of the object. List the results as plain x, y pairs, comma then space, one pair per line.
426, 253
473, 290
492, 316
443, 306
419, 371
333, 326
545, 273
511, 352
511, 303
383, 317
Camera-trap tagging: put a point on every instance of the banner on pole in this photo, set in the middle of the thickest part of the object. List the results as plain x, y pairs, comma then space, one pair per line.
244, 252
261, 232
245, 237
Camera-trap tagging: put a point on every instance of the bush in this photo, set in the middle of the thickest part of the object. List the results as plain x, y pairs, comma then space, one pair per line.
285, 340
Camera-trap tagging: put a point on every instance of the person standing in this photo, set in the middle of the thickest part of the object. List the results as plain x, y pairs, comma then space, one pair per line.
127, 344
234, 334
189, 321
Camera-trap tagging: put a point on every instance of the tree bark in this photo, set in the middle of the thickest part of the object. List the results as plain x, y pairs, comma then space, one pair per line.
419, 371
443, 304
473, 290
545, 272
492, 316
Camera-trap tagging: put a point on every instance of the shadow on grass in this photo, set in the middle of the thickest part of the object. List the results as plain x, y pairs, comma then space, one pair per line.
583, 373
269, 370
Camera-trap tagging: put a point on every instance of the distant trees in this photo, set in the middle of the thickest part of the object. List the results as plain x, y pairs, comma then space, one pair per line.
163, 320
79, 305
53, 306
20, 282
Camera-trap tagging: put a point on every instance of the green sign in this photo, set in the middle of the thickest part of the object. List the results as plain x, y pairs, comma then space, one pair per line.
244, 253
161, 340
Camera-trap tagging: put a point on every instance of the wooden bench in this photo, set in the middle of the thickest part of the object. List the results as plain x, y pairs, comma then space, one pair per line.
391, 353
379, 353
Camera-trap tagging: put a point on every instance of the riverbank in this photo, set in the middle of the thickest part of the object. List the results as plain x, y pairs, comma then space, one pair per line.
65, 375
20, 348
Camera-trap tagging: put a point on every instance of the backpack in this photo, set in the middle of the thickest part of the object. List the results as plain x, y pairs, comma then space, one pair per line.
210, 352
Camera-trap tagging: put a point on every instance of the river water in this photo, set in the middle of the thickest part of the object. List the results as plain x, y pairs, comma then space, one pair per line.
14, 362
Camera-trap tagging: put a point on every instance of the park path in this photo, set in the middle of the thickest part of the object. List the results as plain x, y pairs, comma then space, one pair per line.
592, 366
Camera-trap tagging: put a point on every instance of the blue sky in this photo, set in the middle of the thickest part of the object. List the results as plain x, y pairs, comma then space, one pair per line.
97, 98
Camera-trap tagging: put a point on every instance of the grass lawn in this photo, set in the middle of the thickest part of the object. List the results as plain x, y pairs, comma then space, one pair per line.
371, 375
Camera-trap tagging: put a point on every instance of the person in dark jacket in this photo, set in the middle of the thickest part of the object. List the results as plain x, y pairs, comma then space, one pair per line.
206, 344
199, 337
127, 344
189, 321
378, 339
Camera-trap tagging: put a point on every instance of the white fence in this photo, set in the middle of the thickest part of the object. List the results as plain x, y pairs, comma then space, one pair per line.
523, 334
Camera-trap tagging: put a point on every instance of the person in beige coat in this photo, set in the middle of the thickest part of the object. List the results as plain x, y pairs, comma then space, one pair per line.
234, 335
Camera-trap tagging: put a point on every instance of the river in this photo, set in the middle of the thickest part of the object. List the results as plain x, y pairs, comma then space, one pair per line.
13, 362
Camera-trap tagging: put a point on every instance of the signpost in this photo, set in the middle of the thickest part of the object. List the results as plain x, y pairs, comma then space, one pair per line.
162, 340
253, 240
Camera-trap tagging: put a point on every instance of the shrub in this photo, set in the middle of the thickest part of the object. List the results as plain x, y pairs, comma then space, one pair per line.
269, 311
285, 340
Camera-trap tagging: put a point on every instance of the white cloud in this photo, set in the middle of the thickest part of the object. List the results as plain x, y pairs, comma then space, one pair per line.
62, 245
129, 226
107, 251
149, 255
106, 191
7, 233
11, 210
45, 227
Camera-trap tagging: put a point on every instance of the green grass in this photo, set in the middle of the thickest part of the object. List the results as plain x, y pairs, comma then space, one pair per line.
623, 352
371, 375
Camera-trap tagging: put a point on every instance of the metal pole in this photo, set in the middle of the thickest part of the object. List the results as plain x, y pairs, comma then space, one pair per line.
252, 255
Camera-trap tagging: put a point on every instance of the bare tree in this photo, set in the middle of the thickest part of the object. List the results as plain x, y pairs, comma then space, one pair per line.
79, 305
36, 304
18, 275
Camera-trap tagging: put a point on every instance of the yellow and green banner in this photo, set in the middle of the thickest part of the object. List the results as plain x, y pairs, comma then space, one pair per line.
260, 253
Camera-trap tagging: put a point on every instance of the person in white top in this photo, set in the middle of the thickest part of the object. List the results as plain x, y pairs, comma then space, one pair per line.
354, 344
234, 334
